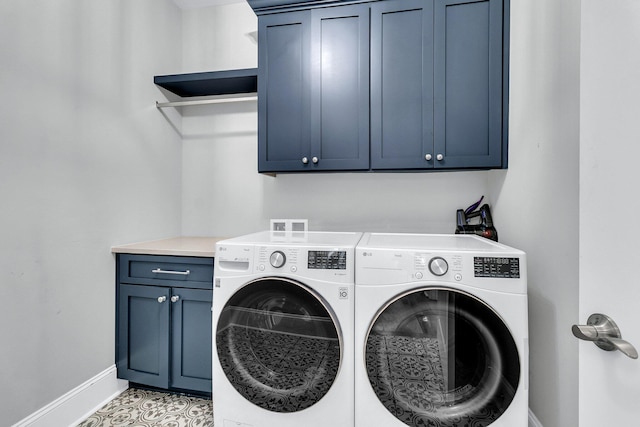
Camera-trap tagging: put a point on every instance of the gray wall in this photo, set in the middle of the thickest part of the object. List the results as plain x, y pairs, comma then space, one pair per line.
223, 195
535, 201
86, 162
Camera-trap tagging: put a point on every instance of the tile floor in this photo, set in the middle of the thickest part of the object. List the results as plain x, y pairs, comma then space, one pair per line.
146, 408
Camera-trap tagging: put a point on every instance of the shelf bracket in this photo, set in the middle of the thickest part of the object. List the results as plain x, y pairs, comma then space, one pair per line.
217, 100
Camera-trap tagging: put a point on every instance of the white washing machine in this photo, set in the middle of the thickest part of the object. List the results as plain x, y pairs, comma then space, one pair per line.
441, 332
283, 310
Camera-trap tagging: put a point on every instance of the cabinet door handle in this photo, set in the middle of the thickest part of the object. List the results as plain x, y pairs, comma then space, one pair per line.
427, 157
181, 273
175, 298
305, 160
162, 299
314, 160
439, 157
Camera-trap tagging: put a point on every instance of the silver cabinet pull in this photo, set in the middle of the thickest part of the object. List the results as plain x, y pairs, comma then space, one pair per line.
305, 160
181, 273
314, 160
427, 157
439, 157
162, 299
603, 331
175, 298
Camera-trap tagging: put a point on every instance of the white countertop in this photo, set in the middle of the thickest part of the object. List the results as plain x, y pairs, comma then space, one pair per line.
181, 246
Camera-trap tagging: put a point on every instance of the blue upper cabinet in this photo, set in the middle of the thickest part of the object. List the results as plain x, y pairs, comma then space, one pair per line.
339, 88
284, 91
385, 85
313, 95
468, 84
402, 84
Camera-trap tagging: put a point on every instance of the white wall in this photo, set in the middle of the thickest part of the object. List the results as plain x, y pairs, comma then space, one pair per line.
535, 201
223, 194
86, 162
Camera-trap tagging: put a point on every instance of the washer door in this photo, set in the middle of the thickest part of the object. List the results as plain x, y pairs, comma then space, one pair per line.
440, 357
278, 344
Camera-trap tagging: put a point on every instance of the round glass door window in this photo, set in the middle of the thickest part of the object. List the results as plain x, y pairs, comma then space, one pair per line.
439, 357
278, 345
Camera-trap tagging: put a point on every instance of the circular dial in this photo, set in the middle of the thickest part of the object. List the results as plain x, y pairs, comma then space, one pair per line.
277, 259
438, 266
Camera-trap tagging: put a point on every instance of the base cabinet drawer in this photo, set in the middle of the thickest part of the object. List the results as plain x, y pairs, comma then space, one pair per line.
190, 272
163, 335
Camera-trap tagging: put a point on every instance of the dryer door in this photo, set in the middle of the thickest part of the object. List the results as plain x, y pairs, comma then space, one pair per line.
279, 344
441, 357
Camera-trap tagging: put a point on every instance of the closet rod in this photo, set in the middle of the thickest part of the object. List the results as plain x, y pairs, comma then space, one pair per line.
249, 97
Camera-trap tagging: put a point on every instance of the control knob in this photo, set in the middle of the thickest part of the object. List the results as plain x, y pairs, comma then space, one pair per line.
277, 259
438, 266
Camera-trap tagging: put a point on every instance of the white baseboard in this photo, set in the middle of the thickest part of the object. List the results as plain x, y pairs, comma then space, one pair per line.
533, 421
78, 404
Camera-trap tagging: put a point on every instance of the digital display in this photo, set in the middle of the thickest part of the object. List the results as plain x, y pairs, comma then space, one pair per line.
327, 260
506, 268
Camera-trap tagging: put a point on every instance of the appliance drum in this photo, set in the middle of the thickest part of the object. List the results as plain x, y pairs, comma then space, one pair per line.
279, 345
442, 357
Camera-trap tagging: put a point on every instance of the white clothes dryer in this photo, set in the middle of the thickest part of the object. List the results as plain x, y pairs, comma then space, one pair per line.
283, 310
441, 332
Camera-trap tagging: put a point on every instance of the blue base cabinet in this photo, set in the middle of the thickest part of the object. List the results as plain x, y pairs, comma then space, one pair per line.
385, 85
163, 321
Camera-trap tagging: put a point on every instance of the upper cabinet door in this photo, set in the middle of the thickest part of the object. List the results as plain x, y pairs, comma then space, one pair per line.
340, 88
468, 83
284, 128
402, 84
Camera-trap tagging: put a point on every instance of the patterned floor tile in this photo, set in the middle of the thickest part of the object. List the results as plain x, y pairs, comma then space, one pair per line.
146, 408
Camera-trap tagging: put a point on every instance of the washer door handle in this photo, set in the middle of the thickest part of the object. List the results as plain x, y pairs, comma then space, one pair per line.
604, 332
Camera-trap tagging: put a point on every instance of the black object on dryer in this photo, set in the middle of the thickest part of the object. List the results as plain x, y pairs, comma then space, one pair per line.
483, 226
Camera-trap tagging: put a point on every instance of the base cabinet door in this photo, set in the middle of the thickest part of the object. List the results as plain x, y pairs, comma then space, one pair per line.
191, 339
143, 334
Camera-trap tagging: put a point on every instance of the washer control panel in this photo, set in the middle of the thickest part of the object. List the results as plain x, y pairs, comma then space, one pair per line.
330, 263
327, 260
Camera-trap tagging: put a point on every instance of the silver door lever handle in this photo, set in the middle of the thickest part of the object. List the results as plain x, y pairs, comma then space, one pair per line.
604, 332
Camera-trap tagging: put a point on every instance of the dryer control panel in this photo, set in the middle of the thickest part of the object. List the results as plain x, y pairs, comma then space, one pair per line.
497, 267
499, 272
